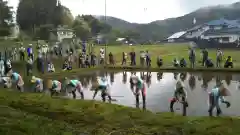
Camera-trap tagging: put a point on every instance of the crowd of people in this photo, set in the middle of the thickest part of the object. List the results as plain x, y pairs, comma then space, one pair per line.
137, 83
46, 54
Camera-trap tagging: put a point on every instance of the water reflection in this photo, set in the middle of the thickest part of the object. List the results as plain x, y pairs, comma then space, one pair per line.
192, 81
183, 76
160, 88
159, 76
228, 79
112, 78
124, 80
176, 75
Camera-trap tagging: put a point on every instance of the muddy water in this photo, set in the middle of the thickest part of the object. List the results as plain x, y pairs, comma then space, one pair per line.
160, 89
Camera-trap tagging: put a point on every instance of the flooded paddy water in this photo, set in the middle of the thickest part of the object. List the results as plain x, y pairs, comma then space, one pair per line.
160, 89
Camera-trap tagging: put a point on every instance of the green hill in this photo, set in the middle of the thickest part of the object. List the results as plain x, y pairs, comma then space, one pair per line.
160, 29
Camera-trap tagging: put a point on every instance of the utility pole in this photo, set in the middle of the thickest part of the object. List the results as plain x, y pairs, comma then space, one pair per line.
105, 18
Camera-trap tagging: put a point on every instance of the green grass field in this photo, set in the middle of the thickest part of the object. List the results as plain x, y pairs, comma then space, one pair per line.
38, 114
167, 51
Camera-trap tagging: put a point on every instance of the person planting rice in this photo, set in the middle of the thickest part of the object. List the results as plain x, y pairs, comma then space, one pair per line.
132, 85
6, 81
74, 85
55, 87
38, 84
216, 96
17, 78
103, 86
179, 92
140, 87
8, 67
2, 67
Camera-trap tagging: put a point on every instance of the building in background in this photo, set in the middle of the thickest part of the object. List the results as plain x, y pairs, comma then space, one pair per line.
226, 35
61, 33
176, 37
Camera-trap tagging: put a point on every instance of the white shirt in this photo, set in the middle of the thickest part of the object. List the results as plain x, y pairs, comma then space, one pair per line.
102, 55
219, 53
143, 55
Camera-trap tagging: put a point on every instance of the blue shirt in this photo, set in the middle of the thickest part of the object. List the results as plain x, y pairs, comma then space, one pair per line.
216, 95
15, 76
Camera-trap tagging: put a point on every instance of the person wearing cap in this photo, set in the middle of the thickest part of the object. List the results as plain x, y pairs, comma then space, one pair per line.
103, 86
216, 96
74, 85
56, 87
17, 78
38, 84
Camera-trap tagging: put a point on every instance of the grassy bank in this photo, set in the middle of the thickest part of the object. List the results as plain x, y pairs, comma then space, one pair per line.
38, 114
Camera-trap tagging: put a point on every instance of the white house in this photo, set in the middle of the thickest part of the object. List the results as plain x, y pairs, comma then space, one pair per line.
222, 23
61, 33
196, 31
227, 35
175, 36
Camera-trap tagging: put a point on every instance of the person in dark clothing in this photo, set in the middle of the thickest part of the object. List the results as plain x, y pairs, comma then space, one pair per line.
133, 58
209, 63
21, 53
80, 61
87, 63
204, 56
148, 59
71, 50
183, 63
111, 61
93, 59
175, 62
192, 57
65, 65
229, 62
159, 61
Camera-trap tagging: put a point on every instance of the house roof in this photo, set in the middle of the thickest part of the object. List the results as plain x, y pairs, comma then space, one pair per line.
61, 29
225, 31
177, 35
195, 28
222, 21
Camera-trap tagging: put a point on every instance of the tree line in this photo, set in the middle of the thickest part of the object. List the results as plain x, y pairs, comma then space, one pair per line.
36, 18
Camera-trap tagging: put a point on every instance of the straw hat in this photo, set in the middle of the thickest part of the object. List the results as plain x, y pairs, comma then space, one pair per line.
34, 79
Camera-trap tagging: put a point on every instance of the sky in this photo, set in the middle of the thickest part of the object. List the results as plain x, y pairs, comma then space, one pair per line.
139, 11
